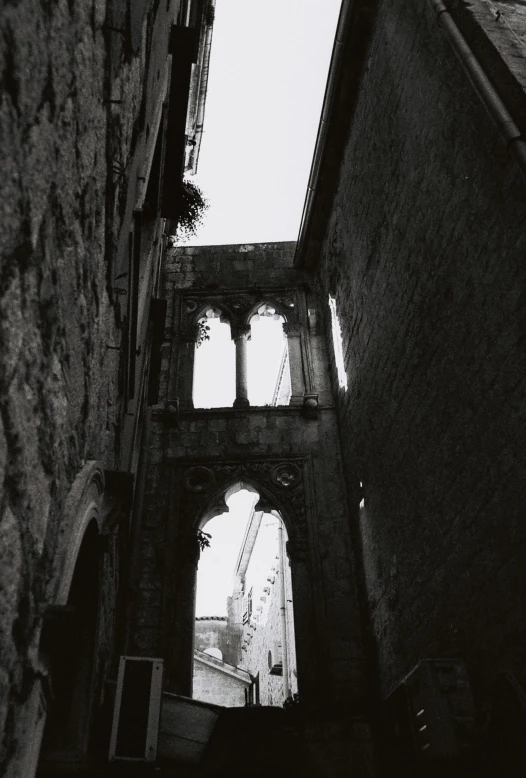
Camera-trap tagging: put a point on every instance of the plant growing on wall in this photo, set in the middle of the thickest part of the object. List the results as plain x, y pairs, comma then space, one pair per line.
202, 333
203, 538
210, 14
191, 209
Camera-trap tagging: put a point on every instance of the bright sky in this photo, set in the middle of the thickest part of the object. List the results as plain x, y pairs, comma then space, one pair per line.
214, 384
268, 69
217, 563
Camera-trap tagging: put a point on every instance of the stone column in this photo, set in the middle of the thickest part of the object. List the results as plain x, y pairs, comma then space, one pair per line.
180, 644
297, 379
240, 339
308, 658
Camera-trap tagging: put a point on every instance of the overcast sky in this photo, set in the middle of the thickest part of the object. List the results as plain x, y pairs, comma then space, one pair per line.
268, 70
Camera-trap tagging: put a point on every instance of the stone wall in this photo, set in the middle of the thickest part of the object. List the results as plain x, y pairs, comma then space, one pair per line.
230, 266
249, 445
209, 438
60, 329
264, 635
425, 255
57, 380
219, 685
217, 632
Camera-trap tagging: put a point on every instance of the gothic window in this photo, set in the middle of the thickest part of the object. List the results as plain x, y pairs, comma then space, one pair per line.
214, 384
268, 359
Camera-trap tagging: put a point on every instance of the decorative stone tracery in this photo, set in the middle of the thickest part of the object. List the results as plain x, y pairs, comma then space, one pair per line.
280, 484
238, 309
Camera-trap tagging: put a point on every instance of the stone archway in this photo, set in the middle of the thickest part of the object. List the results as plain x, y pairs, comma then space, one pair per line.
68, 644
280, 484
68, 638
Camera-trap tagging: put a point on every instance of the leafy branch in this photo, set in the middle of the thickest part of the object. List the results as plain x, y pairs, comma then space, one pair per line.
203, 538
202, 333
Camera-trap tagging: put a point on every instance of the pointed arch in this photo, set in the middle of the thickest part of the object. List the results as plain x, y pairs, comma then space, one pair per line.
268, 501
269, 380
82, 507
213, 381
225, 316
267, 300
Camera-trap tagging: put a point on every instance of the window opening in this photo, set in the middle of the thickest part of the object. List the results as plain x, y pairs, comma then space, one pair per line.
214, 384
244, 608
337, 344
268, 359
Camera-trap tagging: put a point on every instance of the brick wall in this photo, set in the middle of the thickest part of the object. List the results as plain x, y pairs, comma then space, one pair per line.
425, 254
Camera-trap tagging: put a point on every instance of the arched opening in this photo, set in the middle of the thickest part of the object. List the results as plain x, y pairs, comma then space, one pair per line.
268, 359
68, 648
214, 380
244, 631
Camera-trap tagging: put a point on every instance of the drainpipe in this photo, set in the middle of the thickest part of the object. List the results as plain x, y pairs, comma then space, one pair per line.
485, 90
283, 613
203, 85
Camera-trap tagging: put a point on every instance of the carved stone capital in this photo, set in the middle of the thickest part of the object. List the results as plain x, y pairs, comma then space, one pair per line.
279, 483
240, 330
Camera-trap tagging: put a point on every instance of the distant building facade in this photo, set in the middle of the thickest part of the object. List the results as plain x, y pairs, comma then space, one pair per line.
262, 603
257, 636
218, 682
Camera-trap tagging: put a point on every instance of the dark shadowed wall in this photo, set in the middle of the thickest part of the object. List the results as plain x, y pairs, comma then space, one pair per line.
424, 252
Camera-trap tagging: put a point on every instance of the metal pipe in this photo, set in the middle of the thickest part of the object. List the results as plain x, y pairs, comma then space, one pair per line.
485, 89
203, 86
